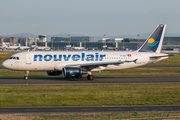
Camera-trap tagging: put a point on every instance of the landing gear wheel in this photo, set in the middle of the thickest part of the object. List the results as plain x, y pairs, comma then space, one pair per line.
25, 77
90, 77
79, 77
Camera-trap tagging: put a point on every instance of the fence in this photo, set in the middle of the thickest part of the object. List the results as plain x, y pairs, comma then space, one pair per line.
4, 54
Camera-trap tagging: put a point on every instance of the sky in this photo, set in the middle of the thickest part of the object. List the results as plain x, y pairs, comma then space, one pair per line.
88, 17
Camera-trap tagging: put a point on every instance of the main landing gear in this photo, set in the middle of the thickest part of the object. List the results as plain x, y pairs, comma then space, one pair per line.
79, 77
90, 76
26, 75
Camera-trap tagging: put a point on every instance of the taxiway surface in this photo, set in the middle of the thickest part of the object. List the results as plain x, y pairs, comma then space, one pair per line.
98, 79
11, 110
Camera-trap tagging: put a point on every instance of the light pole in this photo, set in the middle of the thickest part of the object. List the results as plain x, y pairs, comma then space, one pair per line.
52, 43
138, 42
105, 41
69, 38
123, 44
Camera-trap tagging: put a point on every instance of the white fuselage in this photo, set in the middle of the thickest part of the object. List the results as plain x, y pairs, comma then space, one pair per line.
55, 60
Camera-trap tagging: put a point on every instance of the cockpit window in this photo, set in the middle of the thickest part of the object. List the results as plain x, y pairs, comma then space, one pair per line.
15, 58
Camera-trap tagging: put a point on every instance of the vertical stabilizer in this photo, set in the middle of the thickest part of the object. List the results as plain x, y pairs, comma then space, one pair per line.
155, 40
4, 45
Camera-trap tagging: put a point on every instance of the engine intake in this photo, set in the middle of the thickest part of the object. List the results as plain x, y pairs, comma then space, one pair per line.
53, 73
71, 72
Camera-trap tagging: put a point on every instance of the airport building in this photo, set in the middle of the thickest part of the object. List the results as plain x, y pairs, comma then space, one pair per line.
94, 45
87, 42
82, 39
9, 39
111, 44
60, 39
42, 38
73, 39
21, 40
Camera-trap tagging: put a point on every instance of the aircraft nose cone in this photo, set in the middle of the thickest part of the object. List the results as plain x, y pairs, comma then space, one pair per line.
5, 64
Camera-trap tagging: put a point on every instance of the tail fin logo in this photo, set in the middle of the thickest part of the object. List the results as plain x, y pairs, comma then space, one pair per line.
154, 42
151, 42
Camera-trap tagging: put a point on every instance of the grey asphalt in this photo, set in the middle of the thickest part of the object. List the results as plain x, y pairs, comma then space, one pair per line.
98, 79
11, 110
1, 67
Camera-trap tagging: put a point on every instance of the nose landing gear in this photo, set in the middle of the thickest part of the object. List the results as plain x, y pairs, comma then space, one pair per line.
26, 75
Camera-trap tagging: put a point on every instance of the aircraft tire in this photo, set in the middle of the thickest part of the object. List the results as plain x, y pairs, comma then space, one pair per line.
90, 77
79, 77
25, 77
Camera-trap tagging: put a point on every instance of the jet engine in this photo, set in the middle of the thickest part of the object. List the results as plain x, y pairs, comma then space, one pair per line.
71, 72
53, 73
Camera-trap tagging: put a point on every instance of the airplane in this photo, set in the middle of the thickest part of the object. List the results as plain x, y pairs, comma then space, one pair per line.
42, 47
24, 47
78, 48
14, 47
9, 47
73, 64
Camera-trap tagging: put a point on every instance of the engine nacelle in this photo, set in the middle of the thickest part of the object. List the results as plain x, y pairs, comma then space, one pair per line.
53, 73
71, 72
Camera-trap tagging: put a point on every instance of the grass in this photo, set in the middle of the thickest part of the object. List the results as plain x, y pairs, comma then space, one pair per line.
12, 73
108, 116
89, 95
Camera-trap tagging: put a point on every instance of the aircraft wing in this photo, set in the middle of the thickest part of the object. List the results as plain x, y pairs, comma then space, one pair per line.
90, 66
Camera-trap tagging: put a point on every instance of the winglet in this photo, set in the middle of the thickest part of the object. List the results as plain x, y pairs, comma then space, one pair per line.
155, 40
